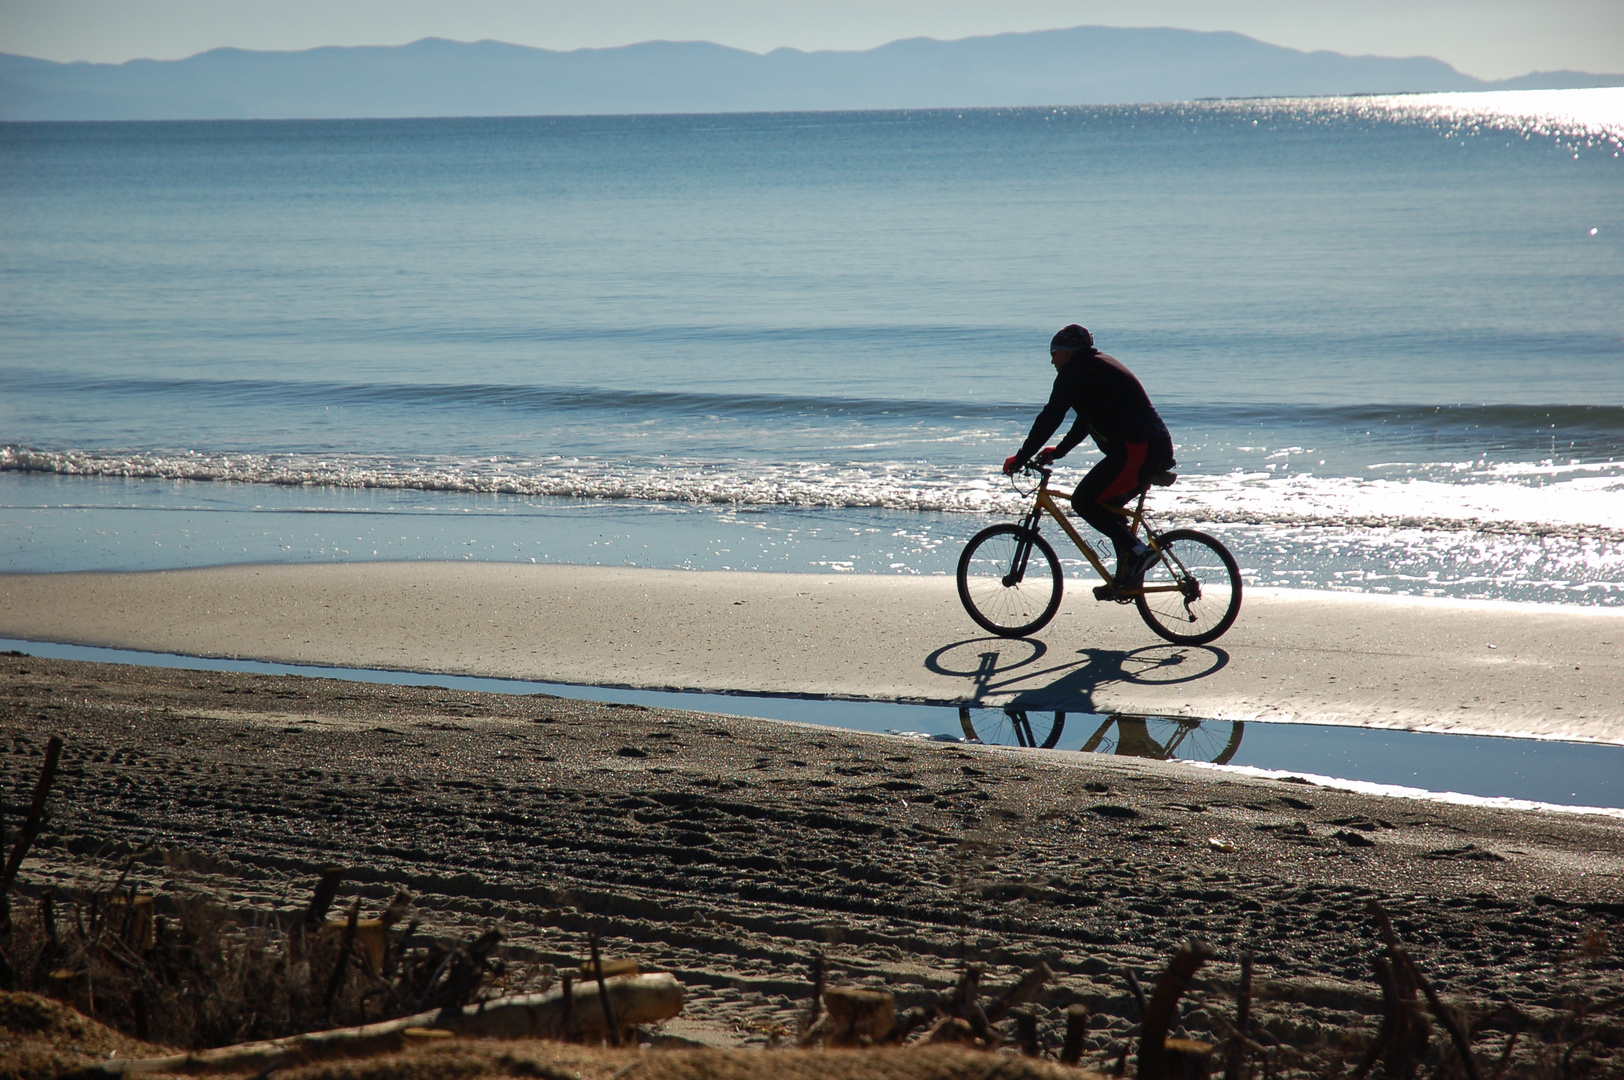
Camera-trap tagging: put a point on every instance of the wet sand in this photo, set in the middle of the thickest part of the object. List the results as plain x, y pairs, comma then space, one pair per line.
1431, 665
729, 850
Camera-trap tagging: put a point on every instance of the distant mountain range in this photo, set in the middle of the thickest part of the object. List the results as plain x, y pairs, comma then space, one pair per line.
435, 77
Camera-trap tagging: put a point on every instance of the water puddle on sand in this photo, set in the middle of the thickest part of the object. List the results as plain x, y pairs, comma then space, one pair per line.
1558, 774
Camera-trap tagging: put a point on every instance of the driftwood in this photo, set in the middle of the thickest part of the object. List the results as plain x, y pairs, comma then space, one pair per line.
950, 1029
611, 968
642, 999
857, 1015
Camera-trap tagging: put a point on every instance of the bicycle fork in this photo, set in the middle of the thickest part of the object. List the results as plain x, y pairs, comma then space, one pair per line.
1023, 552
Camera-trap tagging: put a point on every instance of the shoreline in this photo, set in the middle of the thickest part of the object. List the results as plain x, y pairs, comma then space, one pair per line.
706, 701
1416, 664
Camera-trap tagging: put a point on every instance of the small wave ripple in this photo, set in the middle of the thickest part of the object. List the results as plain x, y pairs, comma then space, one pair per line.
1601, 426
482, 397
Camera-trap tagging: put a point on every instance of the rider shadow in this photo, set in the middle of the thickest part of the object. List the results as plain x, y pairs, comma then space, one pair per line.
1014, 667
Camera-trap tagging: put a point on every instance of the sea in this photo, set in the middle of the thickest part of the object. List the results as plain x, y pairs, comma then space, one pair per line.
1387, 334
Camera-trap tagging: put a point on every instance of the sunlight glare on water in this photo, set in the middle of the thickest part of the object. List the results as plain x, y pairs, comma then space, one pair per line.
1583, 112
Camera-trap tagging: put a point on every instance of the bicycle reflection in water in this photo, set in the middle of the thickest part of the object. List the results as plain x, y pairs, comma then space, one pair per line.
1162, 738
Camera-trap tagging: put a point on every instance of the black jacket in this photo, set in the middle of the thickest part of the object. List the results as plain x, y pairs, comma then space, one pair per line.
1110, 404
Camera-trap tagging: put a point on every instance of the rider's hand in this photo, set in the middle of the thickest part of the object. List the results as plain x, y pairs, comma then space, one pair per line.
1012, 463
1045, 456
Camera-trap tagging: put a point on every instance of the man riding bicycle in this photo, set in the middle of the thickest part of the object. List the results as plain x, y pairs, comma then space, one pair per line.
1113, 407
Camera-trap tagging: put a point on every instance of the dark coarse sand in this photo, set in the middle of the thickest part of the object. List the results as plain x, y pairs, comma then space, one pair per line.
728, 851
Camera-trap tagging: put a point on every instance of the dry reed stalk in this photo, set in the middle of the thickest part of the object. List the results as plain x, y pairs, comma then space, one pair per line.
1163, 1004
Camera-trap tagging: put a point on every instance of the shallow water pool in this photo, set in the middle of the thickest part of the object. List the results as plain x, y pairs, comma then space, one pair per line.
1526, 771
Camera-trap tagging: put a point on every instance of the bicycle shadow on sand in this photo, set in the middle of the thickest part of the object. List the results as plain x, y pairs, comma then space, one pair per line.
1021, 674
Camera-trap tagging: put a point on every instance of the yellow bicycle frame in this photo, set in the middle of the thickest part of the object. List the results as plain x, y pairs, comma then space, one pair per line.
1046, 502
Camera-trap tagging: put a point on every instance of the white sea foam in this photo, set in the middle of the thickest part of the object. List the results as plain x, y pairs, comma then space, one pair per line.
1398, 791
1572, 501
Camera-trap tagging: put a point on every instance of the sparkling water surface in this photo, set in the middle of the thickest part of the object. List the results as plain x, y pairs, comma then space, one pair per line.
1385, 332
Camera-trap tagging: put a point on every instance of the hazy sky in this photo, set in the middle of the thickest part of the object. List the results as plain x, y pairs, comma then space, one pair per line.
1486, 38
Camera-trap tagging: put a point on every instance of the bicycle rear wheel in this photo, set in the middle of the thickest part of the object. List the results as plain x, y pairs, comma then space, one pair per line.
1167, 738
1203, 589
1009, 580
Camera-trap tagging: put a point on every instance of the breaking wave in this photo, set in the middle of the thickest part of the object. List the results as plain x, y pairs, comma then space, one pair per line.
1574, 500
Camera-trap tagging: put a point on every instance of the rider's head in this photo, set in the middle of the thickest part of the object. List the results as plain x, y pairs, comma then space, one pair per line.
1068, 342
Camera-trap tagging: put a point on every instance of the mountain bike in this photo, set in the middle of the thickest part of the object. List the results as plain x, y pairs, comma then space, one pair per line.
1010, 580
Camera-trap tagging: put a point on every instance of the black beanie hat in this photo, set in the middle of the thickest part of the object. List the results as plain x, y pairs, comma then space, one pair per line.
1073, 337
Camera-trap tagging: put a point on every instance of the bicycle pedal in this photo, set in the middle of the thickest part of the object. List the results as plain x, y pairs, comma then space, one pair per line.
1104, 592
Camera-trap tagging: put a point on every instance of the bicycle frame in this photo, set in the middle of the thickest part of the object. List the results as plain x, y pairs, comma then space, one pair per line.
1046, 502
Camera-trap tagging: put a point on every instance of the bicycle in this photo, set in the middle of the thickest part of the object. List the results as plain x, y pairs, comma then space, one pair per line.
1161, 738
1189, 595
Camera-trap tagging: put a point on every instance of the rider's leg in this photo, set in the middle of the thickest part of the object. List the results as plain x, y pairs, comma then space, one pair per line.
1107, 484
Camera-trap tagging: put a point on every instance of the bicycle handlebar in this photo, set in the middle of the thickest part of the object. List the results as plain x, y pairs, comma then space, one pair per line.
1044, 471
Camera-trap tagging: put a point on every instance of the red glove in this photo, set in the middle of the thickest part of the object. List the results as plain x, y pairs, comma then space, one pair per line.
1046, 455
1011, 463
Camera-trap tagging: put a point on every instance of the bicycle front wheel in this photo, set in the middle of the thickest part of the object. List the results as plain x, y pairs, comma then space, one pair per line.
1009, 580
1010, 727
1193, 592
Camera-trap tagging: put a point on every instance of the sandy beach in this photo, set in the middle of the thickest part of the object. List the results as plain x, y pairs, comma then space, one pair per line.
729, 850
1419, 664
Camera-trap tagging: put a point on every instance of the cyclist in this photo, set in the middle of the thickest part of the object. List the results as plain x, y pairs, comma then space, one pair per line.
1112, 406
